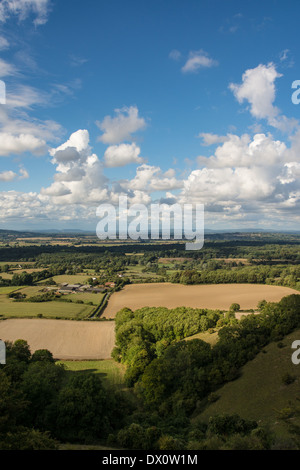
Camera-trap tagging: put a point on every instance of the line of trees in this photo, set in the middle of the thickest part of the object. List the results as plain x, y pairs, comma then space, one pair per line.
277, 275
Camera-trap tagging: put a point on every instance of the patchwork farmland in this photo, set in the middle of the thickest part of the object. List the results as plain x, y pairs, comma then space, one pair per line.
95, 340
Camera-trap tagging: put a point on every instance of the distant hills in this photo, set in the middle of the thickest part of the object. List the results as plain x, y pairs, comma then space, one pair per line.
74, 232
42, 233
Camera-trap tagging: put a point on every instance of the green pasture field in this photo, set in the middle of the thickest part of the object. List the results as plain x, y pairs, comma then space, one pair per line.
85, 297
8, 289
135, 269
63, 310
110, 371
171, 271
136, 272
31, 291
54, 309
211, 338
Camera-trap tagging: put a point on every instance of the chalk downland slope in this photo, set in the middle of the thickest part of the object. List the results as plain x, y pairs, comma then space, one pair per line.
260, 392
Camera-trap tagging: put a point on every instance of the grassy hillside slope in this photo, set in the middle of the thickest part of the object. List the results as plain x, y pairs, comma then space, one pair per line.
259, 393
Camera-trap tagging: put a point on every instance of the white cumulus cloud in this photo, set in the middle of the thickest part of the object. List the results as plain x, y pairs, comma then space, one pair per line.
7, 175
198, 60
122, 126
121, 155
79, 175
258, 88
17, 144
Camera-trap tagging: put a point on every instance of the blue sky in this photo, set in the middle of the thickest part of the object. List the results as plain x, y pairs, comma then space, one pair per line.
179, 101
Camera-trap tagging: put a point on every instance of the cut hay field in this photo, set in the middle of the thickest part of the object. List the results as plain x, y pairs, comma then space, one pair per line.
28, 271
66, 340
6, 275
71, 278
213, 296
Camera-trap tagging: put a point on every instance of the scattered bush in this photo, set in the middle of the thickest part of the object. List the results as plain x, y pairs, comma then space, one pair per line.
288, 379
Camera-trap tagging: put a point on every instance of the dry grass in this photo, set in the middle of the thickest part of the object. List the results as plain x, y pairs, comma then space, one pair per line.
28, 271
71, 278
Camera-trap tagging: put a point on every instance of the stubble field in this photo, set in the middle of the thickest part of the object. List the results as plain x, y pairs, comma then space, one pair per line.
213, 296
65, 339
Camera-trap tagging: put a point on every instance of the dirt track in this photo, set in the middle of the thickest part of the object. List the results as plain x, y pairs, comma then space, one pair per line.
214, 296
65, 339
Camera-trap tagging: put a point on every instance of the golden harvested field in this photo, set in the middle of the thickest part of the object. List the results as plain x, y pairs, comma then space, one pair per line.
236, 260
171, 260
71, 278
28, 271
6, 275
213, 296
67, 340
